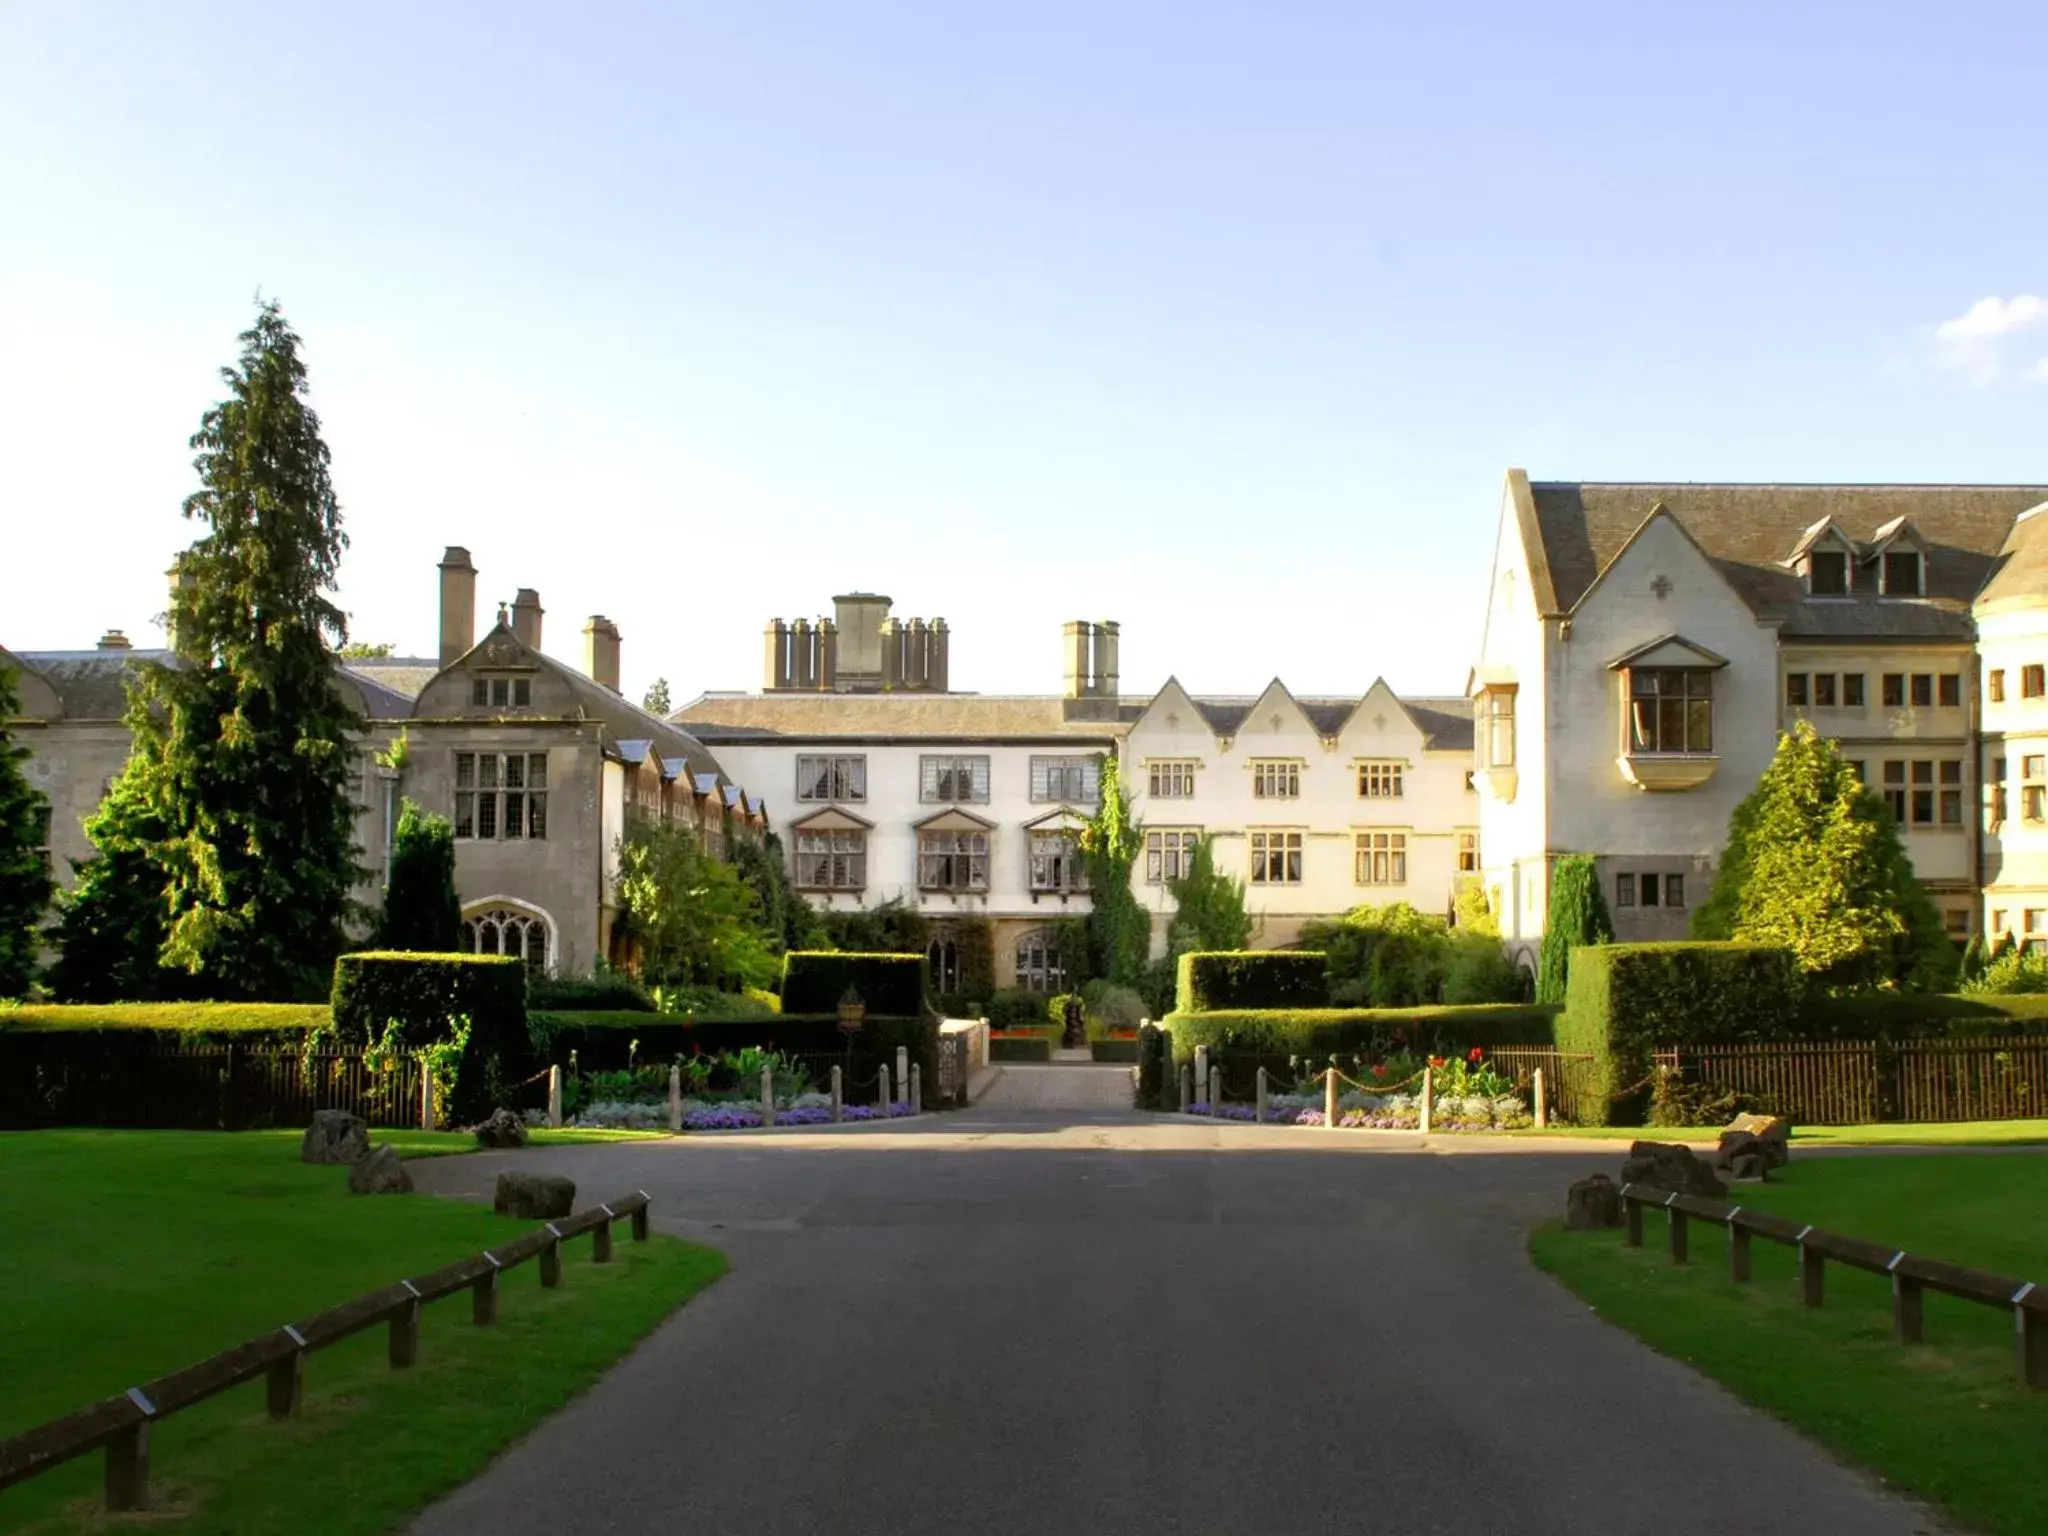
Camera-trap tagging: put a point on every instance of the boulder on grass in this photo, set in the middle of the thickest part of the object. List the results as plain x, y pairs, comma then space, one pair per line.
1742, 1156
1592, 1203
335, 1136
1667, 1165
1774, 1132
502, 1129
381, 1173
534, 1196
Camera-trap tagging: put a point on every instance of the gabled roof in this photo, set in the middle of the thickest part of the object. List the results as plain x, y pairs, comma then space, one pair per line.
954, 819
1668, 651
92, 684
1745, 531
744, 717
2019, 578
831, 818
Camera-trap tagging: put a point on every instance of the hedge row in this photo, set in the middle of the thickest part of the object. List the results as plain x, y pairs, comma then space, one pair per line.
813, 981
1019, 1048
603, 1041
424, 994
1324, 1031
1920, 1016
1218, 979
185, 1021
1625, 1001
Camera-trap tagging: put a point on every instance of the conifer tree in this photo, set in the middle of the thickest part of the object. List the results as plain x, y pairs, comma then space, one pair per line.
1209, 910
1119, 929
1578, 915
248, 730
110, 934
655, 701
24, 877
421, 909
1814, 864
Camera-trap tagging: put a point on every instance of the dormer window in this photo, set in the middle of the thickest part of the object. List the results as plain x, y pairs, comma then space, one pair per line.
1903, 570
1827, 573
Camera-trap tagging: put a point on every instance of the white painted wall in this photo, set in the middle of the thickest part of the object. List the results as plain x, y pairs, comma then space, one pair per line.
2016, 850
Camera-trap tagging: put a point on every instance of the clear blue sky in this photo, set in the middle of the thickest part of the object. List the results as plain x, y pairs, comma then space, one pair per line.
1223, 321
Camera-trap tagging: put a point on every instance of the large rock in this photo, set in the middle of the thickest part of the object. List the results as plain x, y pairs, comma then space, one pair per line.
1743, 1156
381, 1173
1667, 1165
534, 1196
1591, 1203
335, 1136
502, 1129
1774, 1132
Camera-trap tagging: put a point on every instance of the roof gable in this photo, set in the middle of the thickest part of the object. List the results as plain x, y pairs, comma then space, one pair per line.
1668, 651
1275, 715
36, 698
1381, 717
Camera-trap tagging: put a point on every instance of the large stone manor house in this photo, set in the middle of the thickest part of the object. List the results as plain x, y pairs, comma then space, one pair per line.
1644, 646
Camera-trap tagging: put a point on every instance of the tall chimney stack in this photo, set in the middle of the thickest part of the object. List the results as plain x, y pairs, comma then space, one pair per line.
526, 617
601, 651
804, 673
940, 676
775, 671
1106, 639
914, 658
892, 654
458, 604
1074, 636
828, 655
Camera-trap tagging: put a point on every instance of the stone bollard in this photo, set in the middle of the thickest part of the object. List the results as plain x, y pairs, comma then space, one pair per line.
1201, 1070
1538, 1102
902, 1077
767, 1095
555, 1097
885, 1093
1259, 1102
427, 1122
838, 1096
1428, 1098
1330, 1098
675, 1099
1215, 1092
1187, 1088
917, 1087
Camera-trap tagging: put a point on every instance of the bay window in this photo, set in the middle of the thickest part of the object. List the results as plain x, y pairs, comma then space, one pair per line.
1671, 710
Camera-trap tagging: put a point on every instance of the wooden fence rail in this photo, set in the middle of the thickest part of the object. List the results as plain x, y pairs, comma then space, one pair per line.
1910, 1275
1863, 1082
120, 1424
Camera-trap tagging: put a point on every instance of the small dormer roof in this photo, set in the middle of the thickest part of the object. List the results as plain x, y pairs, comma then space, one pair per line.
1899, 530
1826, 528
1668, 651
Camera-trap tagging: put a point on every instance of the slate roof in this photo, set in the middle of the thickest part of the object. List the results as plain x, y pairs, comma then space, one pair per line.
739, 718
2021, 571
1575, 529
404, 675
92, 684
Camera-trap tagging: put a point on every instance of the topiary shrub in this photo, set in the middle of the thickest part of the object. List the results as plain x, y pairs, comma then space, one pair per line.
1027, 1048
425, 994
1577, 917
1014, 1006
605, 990
1250, 978
1320, 1032
814, 981
1155, 1068
1627, 1000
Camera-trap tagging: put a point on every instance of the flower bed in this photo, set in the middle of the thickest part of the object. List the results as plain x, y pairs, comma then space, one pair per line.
731, 1114
1385, 1112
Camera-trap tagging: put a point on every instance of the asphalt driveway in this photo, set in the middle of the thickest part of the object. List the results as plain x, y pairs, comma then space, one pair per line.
1014, 1322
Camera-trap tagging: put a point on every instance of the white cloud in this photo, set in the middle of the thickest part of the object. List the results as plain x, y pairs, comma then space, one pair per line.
1973, 341
2041, 370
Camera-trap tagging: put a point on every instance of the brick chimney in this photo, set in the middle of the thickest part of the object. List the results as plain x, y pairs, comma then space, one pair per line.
526, 617
458, 604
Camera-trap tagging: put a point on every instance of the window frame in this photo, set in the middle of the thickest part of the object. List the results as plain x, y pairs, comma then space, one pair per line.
1275, 778
502, 791
931, 766
1840, 561
843, 859
965, 862
1382, 778
1053, 862
1379, 856
1048, 767
1281, 849
1887, 565
1170, 778
811, 789
2033, 680
1169, 846
1468, 851
1686, 715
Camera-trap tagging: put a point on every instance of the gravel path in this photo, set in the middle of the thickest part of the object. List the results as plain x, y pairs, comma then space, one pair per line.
1013, 1321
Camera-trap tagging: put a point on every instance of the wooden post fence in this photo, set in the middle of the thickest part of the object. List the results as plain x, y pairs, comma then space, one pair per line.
120, 1425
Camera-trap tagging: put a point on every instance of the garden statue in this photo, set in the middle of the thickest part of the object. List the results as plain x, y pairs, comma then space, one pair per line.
1076, 1030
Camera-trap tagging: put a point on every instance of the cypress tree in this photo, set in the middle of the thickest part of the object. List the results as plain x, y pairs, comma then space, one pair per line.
1119, 929
1208, 907
1814, 864
248, 730
421, 909
24, 877
1578, 915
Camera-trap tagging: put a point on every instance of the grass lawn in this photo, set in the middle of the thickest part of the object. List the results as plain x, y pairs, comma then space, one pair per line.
412, 1144
1946, 1421
136, 1252
1961, 1133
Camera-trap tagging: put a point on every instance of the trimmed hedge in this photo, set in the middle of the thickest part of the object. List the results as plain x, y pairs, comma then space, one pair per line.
1113, 1050
1625, 1001
602, 1040
1441, 1029
813, 981
423, 992
1214, 980
1921, 1016
1019, 1048
178, 1020
607, 990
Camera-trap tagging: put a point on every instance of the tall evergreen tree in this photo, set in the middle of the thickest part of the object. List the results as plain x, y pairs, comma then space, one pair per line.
24, 877
1578, 915
1208, 907
247, 732
110, 934
421, 909
1119, 928
1814, 864
655, 701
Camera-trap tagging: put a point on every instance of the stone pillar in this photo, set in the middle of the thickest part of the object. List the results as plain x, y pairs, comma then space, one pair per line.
903, 1069
1540, 1105
775, 670
838, 1096
917, 1088
1428, 1097
883, 1106
675, 1099
1074, 644
1330, 1099
1259, 1101
1202, 1072
892, 654
767, 1096
803, 669
555, 1097
916, 664
939, 675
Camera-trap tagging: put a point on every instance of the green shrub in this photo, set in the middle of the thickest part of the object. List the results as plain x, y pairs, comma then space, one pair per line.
1577, 917
192, 1020
1675, 1102
1020, 1048
1056, 1008
424, 994
606, 1040
421, 910
813, 981
1117, 1007
1013, 1006
1113, 1050
603, 989
1920, 1016
1249, 978
1627, 1000
1480, 972
714, 1003
2016, 973
1319, 1032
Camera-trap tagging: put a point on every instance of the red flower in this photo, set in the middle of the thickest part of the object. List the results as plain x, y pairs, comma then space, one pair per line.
1379, 1069
1475, 1055
1438, 1061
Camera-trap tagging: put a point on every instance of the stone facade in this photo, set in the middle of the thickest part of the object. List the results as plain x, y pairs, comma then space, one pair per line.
1645, 645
